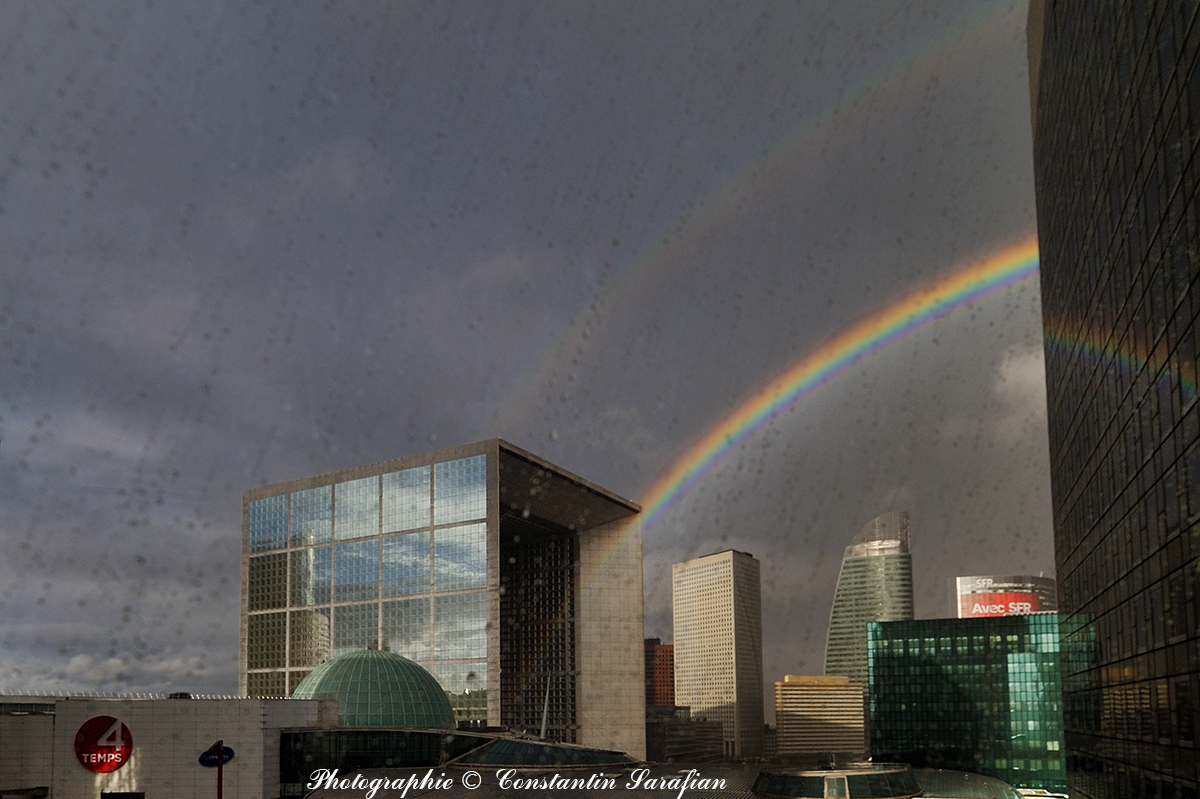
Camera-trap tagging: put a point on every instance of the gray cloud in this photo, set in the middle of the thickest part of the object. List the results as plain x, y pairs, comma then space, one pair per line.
242, 245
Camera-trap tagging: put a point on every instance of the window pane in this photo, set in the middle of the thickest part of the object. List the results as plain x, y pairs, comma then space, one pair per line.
266, 640
406, 499
268, 523
466, 686
356, 571
406, 564
309, 640
355, 627
460, 557
406, 627
310, 576
357, 504
460, 490
268, 582
460, 626
311, 514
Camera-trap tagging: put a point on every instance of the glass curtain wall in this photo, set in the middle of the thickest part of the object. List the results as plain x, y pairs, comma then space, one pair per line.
396, 560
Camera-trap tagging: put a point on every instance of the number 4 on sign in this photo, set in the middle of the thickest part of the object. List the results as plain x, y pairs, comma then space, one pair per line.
112, 736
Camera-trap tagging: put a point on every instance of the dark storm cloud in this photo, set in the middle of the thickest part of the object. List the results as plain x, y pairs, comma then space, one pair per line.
242, 244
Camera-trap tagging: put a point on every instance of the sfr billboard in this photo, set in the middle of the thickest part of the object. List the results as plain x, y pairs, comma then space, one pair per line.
1005, 596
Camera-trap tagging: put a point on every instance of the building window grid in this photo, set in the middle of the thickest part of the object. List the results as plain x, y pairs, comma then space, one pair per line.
407, 628
406, 564
311, 516
311, 576
460, 490
356, 508
460, 557
930, 701
460, 626
355, 627
267, 587
356, 571
335, 578
268, 523
406, 499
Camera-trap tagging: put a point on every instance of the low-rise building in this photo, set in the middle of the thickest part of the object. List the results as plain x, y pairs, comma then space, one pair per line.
981, 695
820, 716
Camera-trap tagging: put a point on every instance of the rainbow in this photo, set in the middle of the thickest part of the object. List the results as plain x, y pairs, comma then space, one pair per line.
720, 208
870, 335
1132, 361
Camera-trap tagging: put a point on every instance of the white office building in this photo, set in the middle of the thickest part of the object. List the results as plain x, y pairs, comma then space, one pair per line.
717, 603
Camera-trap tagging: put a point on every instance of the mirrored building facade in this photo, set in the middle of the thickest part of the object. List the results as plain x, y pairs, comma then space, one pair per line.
875, 584
981, 695
1115, 96
516, 584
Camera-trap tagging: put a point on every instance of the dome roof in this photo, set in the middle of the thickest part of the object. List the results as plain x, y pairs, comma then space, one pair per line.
379, 689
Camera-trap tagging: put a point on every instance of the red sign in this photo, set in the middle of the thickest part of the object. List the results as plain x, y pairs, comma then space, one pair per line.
1009, 603
103, 744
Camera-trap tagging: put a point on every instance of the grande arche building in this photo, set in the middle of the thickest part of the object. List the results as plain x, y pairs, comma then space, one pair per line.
517, 584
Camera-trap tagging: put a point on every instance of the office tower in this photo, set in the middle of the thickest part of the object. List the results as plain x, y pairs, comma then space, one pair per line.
875, 584
1004, 596
515, 583
717, 604
1116, 118
660, 673
982, 695
820, 716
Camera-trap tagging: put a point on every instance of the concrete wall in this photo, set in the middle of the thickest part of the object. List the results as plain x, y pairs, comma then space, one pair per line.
168, 737
611, 688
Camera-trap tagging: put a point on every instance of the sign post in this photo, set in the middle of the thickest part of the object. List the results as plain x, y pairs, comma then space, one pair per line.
217, 751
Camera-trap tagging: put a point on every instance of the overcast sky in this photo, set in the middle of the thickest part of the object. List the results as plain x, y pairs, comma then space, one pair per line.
244, 243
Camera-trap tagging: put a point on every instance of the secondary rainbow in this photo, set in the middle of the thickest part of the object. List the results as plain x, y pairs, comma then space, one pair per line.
864, 338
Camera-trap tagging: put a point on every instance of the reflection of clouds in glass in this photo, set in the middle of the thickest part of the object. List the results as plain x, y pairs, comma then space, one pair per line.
460, 557
357, 505
458, 678
311, 516
356, 571
460, 490
460, 626
406, 499
406, 564
406, 627
268, 523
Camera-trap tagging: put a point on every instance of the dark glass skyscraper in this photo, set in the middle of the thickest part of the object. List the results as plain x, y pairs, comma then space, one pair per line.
875, 584
1116, 117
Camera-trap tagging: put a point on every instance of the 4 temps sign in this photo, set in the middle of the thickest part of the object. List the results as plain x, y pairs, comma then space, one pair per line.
103, 744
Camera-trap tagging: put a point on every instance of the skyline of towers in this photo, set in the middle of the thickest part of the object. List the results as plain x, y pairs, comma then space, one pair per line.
717, 608
874, 584
1115, 96
515, 583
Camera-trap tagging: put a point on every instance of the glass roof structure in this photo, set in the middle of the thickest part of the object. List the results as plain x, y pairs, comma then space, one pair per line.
379, 689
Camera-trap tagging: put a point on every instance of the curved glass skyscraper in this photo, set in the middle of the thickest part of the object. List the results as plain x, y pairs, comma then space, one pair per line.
875, 584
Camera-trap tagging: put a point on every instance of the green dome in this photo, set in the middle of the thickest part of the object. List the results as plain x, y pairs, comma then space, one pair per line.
379, 689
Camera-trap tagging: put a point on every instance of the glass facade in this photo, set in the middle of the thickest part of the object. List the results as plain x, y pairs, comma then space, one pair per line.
1116, 99
395, 560
514, 583
875, 584
981, 695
